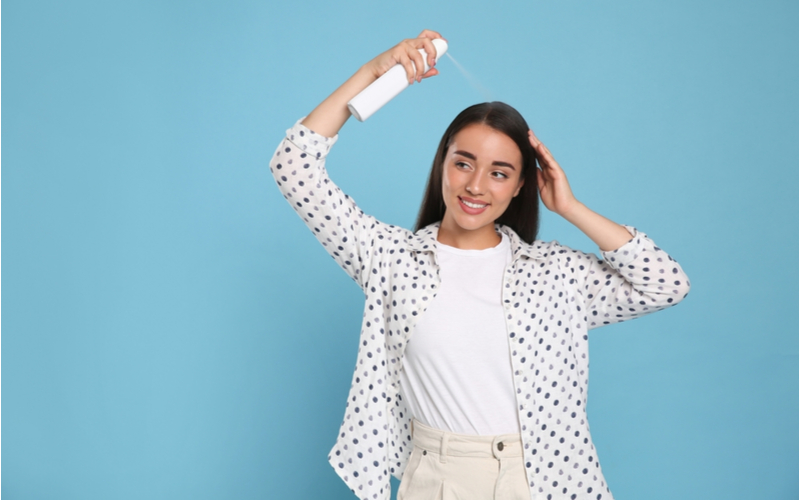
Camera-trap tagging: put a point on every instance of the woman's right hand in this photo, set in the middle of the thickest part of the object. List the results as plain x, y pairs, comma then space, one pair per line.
404, 53
329, 116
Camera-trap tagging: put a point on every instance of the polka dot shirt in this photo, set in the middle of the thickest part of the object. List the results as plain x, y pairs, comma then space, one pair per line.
552, 296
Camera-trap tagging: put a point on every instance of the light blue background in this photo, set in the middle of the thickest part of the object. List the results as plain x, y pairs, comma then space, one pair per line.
172, 330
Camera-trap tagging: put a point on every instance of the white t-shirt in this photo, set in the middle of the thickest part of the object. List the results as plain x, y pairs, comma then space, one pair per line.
457, 372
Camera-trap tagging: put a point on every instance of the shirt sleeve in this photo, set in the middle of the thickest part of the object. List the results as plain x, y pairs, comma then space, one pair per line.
636, 279
346, 232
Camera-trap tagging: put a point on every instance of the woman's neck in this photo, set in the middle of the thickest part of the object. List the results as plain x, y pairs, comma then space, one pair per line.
478, 239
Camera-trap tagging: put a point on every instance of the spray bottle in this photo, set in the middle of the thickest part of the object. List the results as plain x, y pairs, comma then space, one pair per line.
391, 83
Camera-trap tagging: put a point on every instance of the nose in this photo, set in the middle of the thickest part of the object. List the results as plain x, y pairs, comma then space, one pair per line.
476, 183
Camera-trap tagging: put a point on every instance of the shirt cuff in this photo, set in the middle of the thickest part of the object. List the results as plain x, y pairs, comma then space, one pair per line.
309, 141
628, 252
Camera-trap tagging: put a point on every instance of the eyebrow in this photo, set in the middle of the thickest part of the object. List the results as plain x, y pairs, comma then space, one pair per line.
473, 157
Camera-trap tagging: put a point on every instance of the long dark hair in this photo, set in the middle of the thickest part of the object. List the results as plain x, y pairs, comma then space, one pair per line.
522, 214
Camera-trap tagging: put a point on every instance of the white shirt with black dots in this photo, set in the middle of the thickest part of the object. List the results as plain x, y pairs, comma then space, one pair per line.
552, 296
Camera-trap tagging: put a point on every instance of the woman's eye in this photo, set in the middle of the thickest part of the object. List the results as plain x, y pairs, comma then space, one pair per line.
500, 175
461, 164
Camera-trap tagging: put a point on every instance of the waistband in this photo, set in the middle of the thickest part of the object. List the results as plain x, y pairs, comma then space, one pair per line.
464, 445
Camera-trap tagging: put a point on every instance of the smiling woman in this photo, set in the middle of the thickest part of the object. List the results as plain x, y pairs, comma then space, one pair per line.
472, 372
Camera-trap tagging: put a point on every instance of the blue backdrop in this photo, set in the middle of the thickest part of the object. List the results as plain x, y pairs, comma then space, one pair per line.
172, 330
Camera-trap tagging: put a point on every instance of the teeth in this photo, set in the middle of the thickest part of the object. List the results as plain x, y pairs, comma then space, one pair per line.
472, 205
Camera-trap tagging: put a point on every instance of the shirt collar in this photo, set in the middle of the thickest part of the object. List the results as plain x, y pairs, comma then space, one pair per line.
424, 240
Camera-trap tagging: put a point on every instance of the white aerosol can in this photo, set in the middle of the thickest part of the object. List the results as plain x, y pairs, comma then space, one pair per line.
391, 83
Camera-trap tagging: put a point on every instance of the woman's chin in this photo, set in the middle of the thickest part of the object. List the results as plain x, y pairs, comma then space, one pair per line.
472, 224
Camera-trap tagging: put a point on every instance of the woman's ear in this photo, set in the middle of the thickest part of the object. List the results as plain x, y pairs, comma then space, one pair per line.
521, 183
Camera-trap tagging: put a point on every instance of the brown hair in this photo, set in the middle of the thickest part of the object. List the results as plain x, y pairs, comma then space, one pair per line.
522, 214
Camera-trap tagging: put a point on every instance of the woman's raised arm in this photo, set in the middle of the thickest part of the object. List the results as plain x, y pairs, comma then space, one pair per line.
298, 166
331, 114
635, 277
557, 197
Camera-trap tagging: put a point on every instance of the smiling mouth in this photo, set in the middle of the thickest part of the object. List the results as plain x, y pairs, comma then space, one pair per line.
472, 204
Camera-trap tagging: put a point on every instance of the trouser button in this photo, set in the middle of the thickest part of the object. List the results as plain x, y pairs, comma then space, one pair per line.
500, 446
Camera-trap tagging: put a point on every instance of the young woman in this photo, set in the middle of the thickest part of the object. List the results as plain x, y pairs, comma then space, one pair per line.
472, 369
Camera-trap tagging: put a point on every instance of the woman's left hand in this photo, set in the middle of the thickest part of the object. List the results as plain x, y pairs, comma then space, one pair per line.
553, 185
557, 197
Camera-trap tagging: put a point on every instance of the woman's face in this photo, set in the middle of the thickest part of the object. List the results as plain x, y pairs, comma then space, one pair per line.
481, 174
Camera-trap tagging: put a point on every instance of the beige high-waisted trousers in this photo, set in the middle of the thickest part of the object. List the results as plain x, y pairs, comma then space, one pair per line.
448, 466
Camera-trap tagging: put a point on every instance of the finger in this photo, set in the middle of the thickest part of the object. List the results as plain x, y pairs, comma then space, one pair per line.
541, 155
533, 139
431, 72
551, 162
540, 180
419, 63
554, 170
540, 144
430, 34
430, 50
549, 165
409, 67
544, 153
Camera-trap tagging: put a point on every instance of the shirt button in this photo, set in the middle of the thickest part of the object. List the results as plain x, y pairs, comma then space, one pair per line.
500, 446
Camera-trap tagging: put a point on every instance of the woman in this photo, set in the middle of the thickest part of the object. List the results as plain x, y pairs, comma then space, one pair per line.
472, 369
